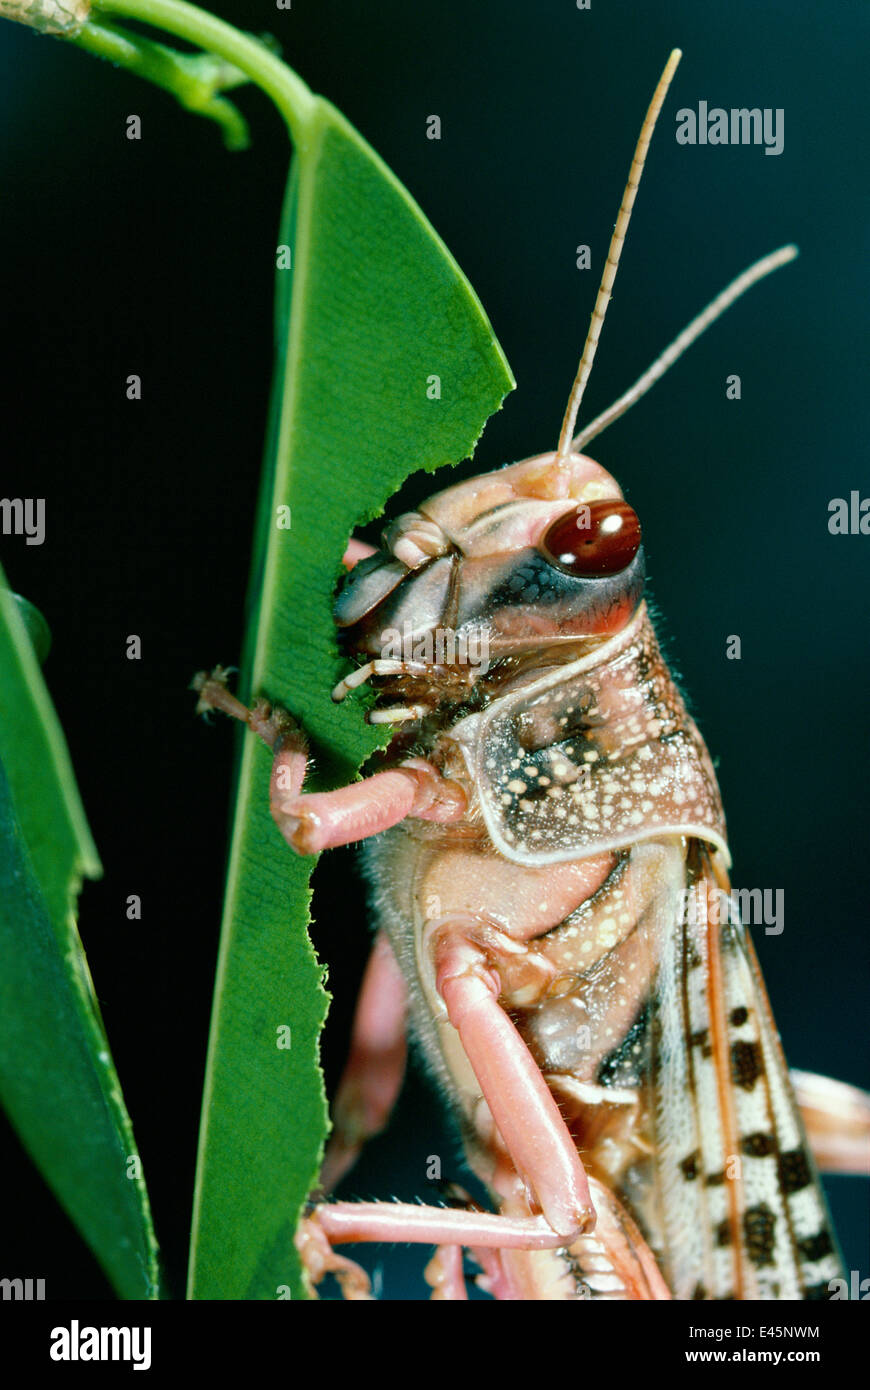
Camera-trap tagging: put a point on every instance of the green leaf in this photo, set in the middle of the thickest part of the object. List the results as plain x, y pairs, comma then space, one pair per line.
57, 1080
35, 625
375, 308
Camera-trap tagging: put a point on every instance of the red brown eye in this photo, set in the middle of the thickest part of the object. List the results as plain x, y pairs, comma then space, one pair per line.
595, 538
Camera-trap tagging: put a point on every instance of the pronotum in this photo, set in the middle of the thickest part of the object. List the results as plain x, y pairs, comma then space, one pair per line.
549, 867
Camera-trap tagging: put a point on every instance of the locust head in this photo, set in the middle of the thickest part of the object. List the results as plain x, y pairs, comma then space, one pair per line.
540, 553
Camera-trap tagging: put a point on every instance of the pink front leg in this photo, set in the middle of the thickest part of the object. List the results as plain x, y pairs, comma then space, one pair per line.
314, 821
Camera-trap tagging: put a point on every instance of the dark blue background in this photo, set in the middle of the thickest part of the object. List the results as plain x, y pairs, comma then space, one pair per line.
156, 257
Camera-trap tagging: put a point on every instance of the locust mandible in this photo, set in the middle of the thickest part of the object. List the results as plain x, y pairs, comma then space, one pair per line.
548, 861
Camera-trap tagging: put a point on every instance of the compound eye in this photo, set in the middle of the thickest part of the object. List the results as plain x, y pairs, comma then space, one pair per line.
596, 538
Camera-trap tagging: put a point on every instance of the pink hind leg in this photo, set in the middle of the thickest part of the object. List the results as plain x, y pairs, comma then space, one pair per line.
540, 1146
342, 1223
351, 1223
522, 1105
837, 1121
372, 1076
528, 1120
491, 1237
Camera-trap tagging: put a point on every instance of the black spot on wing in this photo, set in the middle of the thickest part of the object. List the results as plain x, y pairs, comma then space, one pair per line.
739, 1016
759, 1226
723, 1233
794, 1171
746, 1064
702, 1039
758, 1145
689, 1166
816, 1247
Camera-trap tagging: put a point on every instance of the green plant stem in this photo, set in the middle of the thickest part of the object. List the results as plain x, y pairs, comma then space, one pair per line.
193, 78
289, 93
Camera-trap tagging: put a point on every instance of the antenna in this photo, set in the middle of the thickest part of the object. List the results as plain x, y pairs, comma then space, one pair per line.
713, 311
613, 255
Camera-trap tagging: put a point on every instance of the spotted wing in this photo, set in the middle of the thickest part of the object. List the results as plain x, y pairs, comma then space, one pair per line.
730, 1200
